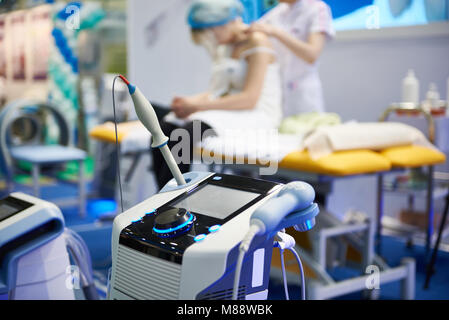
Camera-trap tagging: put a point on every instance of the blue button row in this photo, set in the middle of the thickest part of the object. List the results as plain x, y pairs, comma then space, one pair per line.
212, 229
200, 237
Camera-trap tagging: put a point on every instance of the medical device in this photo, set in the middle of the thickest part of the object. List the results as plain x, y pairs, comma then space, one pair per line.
147, 116
34, 252
204, 235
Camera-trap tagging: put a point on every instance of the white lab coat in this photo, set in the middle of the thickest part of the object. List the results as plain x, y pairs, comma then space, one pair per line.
301, 84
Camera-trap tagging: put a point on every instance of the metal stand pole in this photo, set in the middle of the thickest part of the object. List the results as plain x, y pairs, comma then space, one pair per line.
380, 212
431, 265
430, 210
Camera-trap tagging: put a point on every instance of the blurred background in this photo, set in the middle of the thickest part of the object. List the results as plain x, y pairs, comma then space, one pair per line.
67, 53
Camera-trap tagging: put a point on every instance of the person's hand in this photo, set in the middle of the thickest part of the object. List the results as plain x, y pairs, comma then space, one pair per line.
183, 107
265, 28
177, 101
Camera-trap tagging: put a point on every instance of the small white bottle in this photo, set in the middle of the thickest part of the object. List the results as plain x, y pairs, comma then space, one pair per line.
410, 88
433, 96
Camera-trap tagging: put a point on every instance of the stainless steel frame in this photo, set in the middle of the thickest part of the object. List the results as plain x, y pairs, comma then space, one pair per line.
326, 287
411, 108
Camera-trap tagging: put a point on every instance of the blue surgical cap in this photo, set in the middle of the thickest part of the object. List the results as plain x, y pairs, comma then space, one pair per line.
212, 13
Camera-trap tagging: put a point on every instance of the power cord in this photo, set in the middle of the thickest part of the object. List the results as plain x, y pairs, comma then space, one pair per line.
301, 269
243, 249
116, 143
284, 275
284, 241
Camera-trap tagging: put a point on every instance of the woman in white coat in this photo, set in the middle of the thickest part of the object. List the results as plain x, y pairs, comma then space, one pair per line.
300, 30
248, 94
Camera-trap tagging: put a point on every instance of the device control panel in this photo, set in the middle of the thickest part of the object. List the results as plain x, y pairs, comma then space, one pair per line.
167, 231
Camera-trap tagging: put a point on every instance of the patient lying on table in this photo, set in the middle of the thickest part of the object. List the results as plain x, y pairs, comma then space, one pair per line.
249, 92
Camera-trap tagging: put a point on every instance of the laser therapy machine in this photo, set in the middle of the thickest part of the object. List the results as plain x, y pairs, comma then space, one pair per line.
36, 251
204, 235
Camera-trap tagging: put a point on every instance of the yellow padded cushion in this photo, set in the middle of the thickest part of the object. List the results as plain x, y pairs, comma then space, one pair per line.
106, 131
413, 156
342, 163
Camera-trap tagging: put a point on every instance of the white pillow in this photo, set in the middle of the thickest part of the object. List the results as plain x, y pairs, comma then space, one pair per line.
352, 136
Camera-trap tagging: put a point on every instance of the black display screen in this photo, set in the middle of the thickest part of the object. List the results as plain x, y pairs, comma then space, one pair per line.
10, 206
216, 201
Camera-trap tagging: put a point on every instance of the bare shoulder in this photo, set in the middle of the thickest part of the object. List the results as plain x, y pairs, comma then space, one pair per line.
259, 39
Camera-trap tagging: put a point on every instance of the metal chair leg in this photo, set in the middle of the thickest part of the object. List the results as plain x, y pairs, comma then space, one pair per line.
35, 172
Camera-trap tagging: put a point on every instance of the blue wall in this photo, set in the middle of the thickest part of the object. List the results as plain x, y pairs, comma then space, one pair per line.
362, 14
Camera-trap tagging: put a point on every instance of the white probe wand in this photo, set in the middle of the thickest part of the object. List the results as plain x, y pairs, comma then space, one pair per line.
147, 116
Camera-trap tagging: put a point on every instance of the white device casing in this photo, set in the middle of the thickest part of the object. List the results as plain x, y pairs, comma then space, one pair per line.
119, 252
46, 274
203, 263
42, 273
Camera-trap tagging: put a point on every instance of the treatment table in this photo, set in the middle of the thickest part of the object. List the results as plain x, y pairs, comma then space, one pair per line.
299, 165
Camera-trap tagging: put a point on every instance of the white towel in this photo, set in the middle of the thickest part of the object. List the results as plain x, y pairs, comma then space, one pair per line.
373, 136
